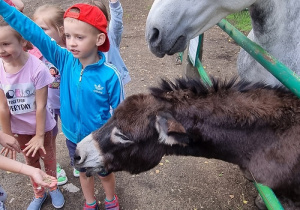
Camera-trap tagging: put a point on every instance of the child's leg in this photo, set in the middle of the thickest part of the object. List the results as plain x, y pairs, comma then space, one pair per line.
3, 194
32, 161
87, 186
55, 131
50, 157
87, 183
109, 184
72, 147
60, 173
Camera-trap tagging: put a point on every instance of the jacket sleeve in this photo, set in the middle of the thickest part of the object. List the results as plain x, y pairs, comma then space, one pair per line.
116, 22
33, 33
115, 91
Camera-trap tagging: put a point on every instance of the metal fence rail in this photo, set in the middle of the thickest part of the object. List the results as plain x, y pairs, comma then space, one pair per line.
285, 75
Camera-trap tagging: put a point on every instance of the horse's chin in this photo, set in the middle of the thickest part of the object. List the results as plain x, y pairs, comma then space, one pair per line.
160, 51
157, 52
179, 45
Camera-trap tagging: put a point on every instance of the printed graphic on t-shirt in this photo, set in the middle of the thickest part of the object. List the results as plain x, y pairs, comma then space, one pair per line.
20, 97
55, 73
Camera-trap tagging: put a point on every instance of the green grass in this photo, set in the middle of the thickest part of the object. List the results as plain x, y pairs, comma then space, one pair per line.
240, 20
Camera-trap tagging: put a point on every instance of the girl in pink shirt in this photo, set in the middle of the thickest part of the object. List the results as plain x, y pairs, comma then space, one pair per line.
16, 3
51, 19
24, 81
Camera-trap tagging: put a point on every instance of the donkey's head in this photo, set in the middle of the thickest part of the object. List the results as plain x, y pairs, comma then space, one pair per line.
140, 132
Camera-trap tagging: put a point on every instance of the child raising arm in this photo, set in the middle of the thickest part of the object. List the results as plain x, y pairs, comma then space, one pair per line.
24, 83
16, 3
115, 30
89, 85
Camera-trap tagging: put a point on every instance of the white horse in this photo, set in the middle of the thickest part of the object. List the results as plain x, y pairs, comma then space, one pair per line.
172, 23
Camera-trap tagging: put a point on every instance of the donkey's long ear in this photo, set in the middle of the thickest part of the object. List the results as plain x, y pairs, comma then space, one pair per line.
118, 137
170, 130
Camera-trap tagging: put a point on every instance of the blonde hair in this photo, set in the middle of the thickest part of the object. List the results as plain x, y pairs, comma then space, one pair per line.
28, 46
54, 17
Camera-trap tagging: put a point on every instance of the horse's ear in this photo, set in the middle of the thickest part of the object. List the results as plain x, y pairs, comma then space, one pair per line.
170, 130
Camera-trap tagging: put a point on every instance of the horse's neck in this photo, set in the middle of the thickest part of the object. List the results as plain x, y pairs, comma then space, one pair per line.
275, 20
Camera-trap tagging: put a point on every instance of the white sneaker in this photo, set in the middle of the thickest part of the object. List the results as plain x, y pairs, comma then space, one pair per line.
76, 172
2, 206
61, 175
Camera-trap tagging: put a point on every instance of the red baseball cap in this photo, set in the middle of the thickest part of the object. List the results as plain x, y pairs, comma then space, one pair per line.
93, 16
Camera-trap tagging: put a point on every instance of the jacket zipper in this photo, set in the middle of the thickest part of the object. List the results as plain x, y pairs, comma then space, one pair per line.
77, 102
81, 73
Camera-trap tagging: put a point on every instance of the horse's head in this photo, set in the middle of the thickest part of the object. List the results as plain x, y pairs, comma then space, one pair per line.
172, 23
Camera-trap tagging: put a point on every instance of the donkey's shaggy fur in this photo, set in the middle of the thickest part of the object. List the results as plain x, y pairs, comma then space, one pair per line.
254, 126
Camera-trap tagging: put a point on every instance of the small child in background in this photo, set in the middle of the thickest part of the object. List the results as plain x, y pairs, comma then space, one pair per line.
16, 3
115, 31
51, 19
38, 176
89, 85
24, 83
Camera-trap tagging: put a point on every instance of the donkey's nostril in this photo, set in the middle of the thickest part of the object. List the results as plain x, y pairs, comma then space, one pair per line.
77, 157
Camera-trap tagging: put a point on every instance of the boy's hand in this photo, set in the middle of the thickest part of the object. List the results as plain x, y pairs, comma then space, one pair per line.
36, 143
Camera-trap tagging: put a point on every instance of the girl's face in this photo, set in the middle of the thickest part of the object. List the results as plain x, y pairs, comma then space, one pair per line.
52, 72
54, 32
11, 47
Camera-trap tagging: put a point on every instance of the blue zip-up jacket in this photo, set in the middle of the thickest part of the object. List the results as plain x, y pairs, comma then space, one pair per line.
85, 94
115, 31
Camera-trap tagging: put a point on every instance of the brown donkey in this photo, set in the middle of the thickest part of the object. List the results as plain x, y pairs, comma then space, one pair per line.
254, 126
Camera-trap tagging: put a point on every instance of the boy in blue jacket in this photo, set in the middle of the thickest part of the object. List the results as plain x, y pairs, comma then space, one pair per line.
89, 86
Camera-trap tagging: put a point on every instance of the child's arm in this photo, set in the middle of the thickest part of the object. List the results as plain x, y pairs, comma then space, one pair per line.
18, 4
37, 142
116, 23
4, 114
33, 33
115, 91
5, 125
39, 176
9, 142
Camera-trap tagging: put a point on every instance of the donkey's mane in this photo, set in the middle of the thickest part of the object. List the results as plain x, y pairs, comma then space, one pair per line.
233, 101
200, 88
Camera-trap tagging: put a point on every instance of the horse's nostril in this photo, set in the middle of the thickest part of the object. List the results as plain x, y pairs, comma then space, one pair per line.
154, 36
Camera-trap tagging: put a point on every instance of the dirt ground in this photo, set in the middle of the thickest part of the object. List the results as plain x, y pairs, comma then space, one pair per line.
177, 182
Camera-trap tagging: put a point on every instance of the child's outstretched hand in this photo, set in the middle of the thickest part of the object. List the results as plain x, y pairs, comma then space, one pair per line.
8, 152
10, 145
36, 143
42, 179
